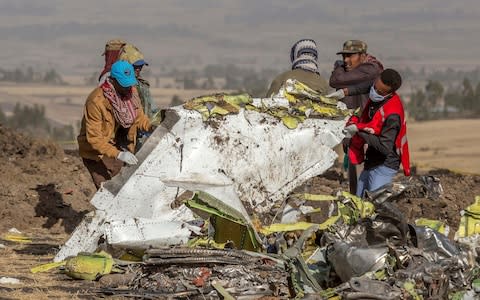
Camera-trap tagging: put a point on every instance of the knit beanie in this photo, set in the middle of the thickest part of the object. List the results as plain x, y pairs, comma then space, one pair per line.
304, 55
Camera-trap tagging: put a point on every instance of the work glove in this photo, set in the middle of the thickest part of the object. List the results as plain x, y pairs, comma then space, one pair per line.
127, 157
340, 94
350, 130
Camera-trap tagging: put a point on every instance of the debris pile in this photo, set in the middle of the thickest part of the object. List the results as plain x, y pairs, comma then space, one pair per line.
365, 250
211, 273
364, 254
242, 233
316, 240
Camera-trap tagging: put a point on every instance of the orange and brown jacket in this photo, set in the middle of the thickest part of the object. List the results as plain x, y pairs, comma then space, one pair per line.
97, 133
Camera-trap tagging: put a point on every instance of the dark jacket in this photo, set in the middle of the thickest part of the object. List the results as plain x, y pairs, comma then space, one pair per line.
311, 79
357, 81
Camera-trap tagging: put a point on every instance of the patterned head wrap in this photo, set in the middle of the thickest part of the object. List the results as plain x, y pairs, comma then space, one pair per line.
304, 55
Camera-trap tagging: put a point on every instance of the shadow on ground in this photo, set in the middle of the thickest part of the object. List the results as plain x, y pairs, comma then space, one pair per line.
38, 249
52, 206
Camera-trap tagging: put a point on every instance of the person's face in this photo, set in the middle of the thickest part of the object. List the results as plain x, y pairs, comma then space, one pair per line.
122, 91
353, 60
137, 69
382, 88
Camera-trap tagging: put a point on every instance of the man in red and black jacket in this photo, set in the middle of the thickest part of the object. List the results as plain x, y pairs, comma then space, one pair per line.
383, 128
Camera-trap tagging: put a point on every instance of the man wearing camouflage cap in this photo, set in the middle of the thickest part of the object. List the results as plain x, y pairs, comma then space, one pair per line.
354, 74
352, 77
133, 55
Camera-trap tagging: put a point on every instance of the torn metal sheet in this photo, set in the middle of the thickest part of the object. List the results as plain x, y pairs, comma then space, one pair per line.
141, 233
363, 288
249, 161
436, 225
350, 261
433, 244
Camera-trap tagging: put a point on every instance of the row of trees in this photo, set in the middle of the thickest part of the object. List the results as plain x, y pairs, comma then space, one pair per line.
445, 75
236, 78
29, 75
32, 119
435, 102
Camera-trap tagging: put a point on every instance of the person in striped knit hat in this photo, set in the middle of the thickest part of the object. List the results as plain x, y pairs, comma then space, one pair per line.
303, 57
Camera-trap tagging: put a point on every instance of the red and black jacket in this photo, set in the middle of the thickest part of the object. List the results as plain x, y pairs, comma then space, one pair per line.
387, 117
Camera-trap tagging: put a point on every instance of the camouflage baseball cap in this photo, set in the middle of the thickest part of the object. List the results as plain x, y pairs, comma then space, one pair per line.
114, 45
353, 46
131, 54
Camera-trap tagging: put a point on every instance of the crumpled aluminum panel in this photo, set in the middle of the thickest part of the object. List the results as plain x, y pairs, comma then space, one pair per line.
249, 161
142, 233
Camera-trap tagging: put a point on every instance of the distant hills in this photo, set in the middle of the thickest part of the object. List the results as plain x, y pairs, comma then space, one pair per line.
70, 35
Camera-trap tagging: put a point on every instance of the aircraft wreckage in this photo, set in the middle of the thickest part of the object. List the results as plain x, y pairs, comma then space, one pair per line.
206, 215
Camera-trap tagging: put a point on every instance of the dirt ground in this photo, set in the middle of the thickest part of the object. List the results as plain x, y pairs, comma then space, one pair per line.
44, 193
448, 144
41, 185
16, 259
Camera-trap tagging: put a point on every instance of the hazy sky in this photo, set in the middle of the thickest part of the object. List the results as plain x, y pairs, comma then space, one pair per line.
70, 35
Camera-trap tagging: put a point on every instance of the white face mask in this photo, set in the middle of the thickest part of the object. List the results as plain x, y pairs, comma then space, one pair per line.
376, 97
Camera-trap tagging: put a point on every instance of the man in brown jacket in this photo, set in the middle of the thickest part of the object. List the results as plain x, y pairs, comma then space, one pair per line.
112, 116
303, 56
352, 77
